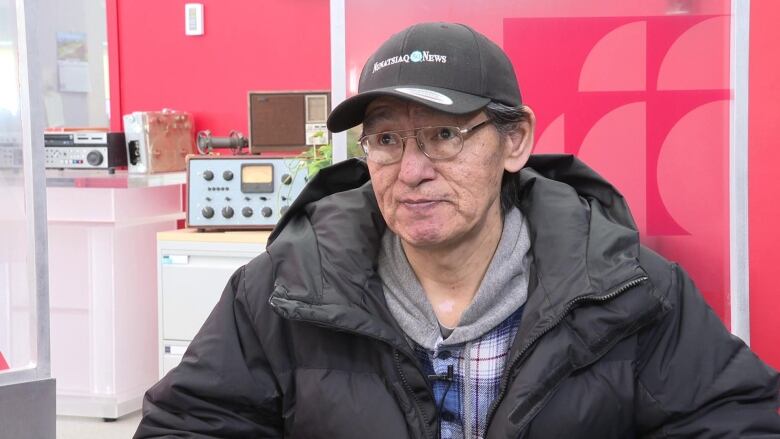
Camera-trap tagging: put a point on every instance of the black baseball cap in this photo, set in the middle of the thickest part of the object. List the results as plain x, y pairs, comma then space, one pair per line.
445, 66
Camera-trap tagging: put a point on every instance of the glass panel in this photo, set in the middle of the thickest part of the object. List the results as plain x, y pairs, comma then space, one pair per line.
17, 301
638, 90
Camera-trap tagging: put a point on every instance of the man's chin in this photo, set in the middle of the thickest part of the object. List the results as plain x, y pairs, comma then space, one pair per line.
423, 237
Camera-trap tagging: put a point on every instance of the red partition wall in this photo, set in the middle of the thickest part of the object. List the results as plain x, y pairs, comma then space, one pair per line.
247, 45
638, 90
645, 102
764, 180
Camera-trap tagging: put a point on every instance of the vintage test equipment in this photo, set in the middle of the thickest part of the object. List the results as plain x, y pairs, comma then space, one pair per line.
158, 141
84, 150
241, 192
235, 141
287, 121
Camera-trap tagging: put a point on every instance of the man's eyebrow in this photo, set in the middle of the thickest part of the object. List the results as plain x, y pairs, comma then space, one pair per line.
382, 114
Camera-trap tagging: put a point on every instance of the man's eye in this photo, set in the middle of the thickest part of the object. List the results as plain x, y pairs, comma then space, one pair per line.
445, 133
386, 139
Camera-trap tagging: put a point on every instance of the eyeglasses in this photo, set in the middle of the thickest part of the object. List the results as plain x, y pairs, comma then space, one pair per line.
437, 143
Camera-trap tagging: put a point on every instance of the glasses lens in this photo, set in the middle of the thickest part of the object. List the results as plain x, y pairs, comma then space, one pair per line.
441, 142
382, 147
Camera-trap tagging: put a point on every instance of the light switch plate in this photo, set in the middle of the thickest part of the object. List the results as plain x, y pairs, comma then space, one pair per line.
193, 19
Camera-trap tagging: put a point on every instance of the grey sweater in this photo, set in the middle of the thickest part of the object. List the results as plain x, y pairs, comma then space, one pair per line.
503, 288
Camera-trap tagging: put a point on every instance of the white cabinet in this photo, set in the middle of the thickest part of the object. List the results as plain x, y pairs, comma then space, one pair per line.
103, 283
193, 270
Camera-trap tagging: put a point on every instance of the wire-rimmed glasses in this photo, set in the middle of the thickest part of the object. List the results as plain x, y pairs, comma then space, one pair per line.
437, 143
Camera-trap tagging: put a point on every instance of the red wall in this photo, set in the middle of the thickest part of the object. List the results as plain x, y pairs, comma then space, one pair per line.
764, 159
284, 44
247, 45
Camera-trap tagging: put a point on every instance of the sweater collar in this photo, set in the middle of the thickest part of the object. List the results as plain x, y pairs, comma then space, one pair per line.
502, 290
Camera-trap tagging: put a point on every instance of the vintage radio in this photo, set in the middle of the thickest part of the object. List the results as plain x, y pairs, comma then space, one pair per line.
84, 150
158, 141
241, 192
287, 121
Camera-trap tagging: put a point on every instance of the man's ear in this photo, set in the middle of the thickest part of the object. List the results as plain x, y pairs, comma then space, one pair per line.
520, 142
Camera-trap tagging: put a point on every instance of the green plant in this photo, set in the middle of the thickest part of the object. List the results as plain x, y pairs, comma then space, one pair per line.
322, 156
317, 157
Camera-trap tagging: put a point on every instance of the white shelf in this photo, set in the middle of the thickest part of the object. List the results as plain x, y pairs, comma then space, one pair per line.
117, 180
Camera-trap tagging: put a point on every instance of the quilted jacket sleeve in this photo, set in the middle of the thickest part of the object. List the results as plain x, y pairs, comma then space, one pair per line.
696, 380
223, 387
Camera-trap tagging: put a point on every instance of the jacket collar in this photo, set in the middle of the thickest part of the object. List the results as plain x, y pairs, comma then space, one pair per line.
324, 252
583, 241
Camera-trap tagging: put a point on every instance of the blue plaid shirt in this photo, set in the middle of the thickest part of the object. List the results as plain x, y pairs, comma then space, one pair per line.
477, 366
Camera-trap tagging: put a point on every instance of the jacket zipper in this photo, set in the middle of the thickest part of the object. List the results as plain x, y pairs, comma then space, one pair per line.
569, 306
409, 390
397, 362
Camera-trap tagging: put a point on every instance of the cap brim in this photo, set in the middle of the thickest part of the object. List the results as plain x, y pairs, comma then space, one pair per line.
350, 112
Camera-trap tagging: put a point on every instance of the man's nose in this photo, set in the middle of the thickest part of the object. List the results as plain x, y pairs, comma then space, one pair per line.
416, 167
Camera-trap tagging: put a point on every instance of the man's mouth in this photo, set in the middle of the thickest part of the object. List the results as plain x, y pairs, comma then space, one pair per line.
419, 204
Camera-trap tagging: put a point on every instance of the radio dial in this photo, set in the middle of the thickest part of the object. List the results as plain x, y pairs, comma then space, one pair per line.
284, 209
286, 179
266, 211
247, 211
227, 212
207, 212
227, 175
95, 158
208, 175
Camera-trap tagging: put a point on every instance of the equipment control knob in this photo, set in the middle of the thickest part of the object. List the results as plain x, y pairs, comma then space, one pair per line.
207, 212
227, 212
266, 211
227, 175
208, 175
247, 211
95, 158
286, 179
284, 209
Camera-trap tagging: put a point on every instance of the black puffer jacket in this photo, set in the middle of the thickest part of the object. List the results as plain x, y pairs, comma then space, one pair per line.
615, 342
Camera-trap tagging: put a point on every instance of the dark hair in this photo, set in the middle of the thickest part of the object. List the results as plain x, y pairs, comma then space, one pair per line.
506, 120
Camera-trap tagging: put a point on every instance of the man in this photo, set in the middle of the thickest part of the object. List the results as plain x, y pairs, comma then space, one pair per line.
449, 286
